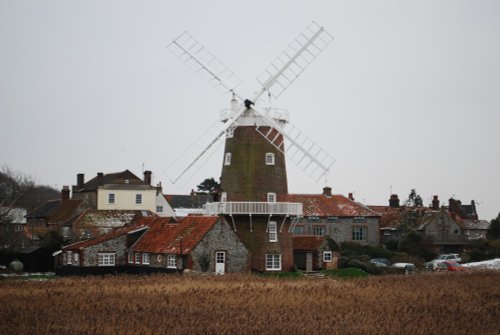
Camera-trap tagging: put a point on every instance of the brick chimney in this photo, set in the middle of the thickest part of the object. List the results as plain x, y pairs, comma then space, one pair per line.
351, 197
394, 201
100, 178
147, 177
80, 180
327, 191
435, 203
65, 193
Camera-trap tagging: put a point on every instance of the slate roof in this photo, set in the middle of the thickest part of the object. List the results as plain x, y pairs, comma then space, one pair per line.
307, 243
67, 210
196, 200
103, 238
124, 177
336, 205
45, 210
164, 237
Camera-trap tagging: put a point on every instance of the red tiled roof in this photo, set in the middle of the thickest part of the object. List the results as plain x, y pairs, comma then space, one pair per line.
106, 237
164, 237
336, 205
307, 242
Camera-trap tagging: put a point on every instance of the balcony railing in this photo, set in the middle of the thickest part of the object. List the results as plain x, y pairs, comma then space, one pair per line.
254, 208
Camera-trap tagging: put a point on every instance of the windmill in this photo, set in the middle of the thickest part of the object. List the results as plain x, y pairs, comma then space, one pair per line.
257, 139
269, 123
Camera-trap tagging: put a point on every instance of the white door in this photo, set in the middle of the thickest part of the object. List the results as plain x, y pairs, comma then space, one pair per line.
220, 262
309, 261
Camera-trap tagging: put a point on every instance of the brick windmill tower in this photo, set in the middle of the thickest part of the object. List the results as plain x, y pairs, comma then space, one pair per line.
257, 138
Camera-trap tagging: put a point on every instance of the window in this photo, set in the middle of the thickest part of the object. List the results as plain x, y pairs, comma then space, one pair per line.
269, 158
111, 198
332, 219
273, 262
227, 159
327, 256
313, 218
131, 257
387, 232
223, 197
69, 259
145, 258
319, 230
137, 258
298, 230
138, 199
359, 219
271, 197
106, 259
18, 227
76, 258
171, 262
159, 209
359, 233
273, 231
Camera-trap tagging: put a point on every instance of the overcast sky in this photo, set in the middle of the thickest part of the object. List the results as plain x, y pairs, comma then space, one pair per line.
406, 96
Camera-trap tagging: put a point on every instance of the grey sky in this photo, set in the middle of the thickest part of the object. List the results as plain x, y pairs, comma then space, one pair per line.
406, 96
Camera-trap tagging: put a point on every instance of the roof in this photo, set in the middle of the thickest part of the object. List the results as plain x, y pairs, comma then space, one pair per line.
44, 210
196, 200
335, 205
476, 224
165, 237
124, 177
103, 238
110, 218
307, 242
66, 210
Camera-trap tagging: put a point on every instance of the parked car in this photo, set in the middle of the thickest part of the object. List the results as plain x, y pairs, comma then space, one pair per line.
436, 266
448, 257
380, 262
408, 267
453, 266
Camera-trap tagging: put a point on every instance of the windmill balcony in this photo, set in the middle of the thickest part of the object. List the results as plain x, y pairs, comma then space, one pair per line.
254, 208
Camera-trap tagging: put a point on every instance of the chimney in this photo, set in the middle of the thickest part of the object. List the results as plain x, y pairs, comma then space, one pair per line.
351, 197
159, 188
147, 177
435, 203
327, 191
65, 193
100, 178
394, 201
80, 180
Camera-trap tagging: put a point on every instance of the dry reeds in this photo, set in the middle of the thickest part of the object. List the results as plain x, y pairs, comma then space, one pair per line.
466, 303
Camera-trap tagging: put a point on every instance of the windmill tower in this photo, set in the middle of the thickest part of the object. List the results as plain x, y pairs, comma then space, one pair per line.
257, 137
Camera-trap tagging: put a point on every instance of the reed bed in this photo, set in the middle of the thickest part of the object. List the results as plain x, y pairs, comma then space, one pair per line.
448, 303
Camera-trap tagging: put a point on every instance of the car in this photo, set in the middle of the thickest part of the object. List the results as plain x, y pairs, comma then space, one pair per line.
408, 267
454, 266
436, 266
448, 257
380, 262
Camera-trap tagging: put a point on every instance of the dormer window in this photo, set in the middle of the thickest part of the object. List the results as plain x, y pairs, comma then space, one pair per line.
271, 197
227, 159
269, 158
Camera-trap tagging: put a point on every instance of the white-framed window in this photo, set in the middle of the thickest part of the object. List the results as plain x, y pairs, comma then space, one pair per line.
318, 230
273, 262
145, 258
111, 198
327, 256
271, 197
359, 234
68, 259
159, 209
227, 159
299, 230
171, 261
131, 258
273, 231
106, 259
387, 232
76, 258
138, 199
223, 197
18, 227
269, 158
137, 258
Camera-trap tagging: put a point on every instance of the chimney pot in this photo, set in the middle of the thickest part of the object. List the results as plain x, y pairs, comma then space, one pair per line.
351, 197
435, 203
327, 191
